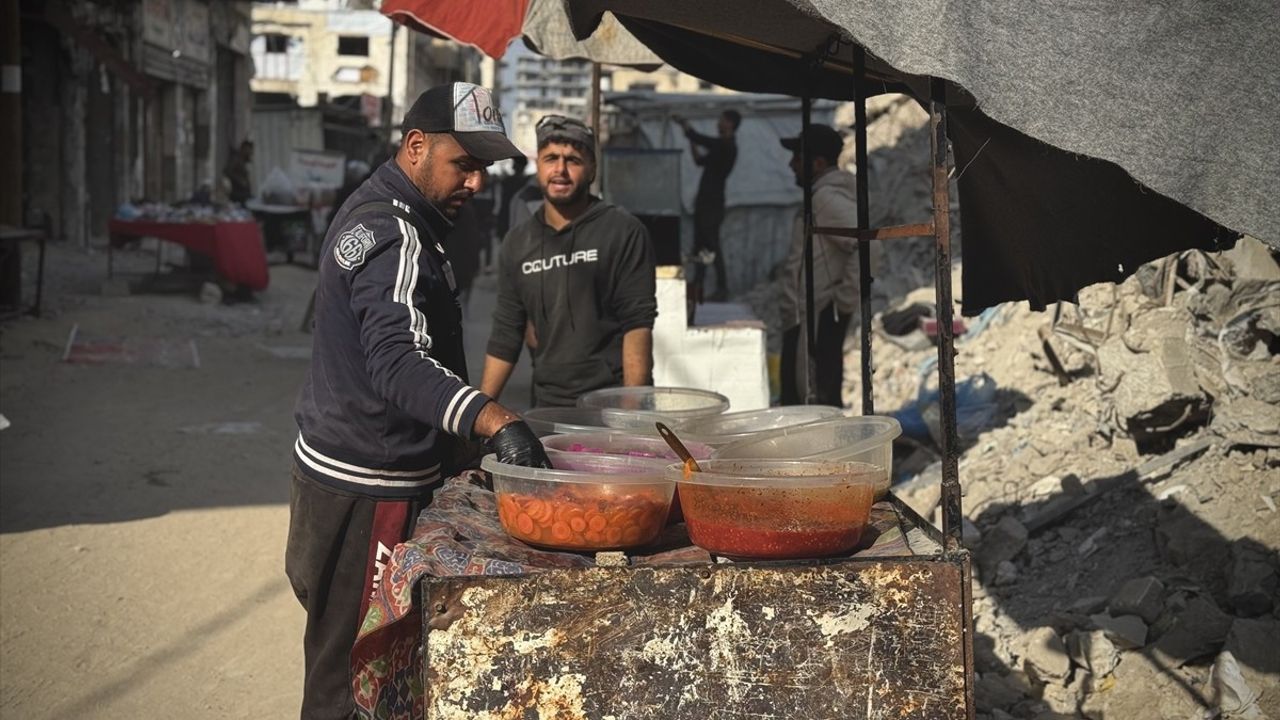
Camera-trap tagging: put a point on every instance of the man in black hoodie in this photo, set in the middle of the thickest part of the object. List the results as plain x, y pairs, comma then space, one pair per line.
576, 282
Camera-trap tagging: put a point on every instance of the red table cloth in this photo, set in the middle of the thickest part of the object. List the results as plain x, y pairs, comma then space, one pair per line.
235, 247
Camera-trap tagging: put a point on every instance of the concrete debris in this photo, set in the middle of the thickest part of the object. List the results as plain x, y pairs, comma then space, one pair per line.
1151, 377
1247, 421
1001, 543
1187, 541
993, 691
1088, 605
1126, 631
1253, 642
1199, 629
1142, 597
1045, 657
1006, 574
1233, 697
1093, 651
1251, 582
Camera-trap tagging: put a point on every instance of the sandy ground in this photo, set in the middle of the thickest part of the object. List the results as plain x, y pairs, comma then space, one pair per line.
143, 507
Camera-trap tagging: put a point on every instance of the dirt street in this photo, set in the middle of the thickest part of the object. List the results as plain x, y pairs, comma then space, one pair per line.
144, 503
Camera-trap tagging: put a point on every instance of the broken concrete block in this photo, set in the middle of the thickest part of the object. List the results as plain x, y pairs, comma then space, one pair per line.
1126, 631
1143, 597
1197, 630
1045, 658
1188, 541
994, 691
1088, 605
1251, 581
1093, 651
1006, 573
1253, 642
1003, 542
1153, 375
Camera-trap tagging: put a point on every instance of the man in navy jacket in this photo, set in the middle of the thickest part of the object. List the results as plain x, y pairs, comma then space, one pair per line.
386, 407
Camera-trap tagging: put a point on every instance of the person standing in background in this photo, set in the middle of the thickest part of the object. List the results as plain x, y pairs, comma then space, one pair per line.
835, 273
716, 156
576, 282
237, 173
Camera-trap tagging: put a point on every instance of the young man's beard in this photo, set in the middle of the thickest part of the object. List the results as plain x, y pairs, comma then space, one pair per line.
578, 193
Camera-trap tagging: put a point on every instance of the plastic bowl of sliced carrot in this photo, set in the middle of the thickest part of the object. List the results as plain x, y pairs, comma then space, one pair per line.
588, 503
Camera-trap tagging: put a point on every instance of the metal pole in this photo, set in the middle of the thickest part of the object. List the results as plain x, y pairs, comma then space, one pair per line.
864, 219
390, 109
594, 120
595, 100
810, 324
11, 114
951, 517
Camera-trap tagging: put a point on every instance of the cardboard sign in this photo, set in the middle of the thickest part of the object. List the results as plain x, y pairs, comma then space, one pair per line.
318, 168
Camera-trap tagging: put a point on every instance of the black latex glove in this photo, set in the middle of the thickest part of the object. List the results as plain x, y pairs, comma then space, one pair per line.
516, 444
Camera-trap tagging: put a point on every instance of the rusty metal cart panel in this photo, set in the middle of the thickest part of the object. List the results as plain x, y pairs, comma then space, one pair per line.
884, 638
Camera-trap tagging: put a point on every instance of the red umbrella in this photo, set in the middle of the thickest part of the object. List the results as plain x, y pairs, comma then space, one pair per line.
487, 25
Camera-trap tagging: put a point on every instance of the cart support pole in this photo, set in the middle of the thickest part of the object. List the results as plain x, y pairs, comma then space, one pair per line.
810, 318
951, 515
864, 219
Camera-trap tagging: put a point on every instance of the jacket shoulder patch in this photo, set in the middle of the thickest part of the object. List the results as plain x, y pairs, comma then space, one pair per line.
352, 247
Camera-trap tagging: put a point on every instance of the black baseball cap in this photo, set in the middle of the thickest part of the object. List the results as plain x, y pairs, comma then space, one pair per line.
468, 113
821, 141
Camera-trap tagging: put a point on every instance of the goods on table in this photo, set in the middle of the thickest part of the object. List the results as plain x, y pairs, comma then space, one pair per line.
776, 509
186, 213
867, 439
589, 502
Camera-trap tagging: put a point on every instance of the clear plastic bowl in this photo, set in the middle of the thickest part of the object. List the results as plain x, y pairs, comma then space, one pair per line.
563, 420
644, 448
776, 509
629, 407
720, 430
589, 503
867, 439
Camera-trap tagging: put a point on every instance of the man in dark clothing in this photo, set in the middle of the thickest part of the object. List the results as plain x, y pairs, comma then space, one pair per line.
716, 156
237, 173
577, 279
386, 408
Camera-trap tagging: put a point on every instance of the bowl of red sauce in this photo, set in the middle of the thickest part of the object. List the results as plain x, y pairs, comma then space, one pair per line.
776, 509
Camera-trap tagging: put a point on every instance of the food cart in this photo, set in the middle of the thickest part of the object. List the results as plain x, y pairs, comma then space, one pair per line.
514, 632
885, 631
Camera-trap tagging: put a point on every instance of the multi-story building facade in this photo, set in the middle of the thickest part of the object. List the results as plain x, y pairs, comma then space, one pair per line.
124, 100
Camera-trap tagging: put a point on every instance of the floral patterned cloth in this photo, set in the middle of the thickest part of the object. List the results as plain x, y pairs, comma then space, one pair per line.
459, 534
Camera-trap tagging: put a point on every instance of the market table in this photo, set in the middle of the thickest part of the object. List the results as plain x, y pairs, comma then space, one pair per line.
235, 247
458, 542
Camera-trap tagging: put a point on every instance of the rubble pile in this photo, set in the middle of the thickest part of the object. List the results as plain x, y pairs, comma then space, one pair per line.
1121, 500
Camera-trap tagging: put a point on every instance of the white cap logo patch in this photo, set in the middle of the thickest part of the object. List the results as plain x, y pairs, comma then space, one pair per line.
473, 109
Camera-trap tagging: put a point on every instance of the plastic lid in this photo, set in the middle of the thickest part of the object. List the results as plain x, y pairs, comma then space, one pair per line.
582, 468
738, 425
779, 474
849, 436
672, 402
622, 444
